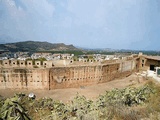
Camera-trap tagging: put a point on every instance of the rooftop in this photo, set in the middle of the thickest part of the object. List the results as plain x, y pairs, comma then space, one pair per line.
152, 57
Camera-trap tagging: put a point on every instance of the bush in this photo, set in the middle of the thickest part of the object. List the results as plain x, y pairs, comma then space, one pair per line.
119, 104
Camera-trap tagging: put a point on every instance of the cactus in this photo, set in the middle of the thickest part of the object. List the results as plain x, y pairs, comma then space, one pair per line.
116, 101
13, 110
128, 96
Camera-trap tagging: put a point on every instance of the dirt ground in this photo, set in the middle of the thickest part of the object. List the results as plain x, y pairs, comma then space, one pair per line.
90, 92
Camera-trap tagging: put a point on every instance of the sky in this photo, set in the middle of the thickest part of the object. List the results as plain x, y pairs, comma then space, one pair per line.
116, 24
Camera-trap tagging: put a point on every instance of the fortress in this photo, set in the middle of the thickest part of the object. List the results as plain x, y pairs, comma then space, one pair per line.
16, 74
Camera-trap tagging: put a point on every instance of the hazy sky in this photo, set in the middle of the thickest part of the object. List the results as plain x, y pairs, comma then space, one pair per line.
118, 24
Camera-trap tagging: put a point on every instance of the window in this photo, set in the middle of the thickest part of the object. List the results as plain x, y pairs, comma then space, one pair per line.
142, 61
142, 65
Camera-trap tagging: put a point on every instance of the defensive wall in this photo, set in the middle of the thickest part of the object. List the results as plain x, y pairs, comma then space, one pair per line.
64, 77
45, 75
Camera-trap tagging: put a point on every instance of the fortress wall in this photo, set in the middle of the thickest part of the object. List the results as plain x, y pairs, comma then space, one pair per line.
22, 63
70, 76
29, 64
62, 62
23, 78
10, 79
60, 77
38, 63
14, 63
6, 63
48, 64
38, 79
110, 72
25, 64
127, 65
64, 77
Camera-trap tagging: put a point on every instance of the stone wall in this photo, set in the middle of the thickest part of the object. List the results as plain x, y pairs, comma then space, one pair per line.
64, 77
49, 77
24, 78
26, 64
74, 76
144, 63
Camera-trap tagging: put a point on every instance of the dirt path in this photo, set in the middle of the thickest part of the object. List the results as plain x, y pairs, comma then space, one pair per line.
91, 92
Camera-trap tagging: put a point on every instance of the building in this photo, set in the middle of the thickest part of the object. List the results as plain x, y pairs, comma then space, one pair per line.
148, 62
46, 75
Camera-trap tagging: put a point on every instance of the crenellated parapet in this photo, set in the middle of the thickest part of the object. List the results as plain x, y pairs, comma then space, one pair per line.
26, 64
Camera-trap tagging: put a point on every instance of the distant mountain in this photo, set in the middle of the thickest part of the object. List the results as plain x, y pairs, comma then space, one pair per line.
96, 49
36, 46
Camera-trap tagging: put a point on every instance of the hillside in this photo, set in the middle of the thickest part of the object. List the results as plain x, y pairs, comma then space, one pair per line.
36, 46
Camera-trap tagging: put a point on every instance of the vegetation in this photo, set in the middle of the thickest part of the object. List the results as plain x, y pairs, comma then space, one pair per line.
36, 46
12, 110
118, 104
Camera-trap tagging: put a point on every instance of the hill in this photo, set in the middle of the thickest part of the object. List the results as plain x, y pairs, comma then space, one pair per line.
36, 46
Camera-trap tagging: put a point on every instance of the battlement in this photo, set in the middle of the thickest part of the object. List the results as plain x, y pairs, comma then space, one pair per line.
26, 64
42, 64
